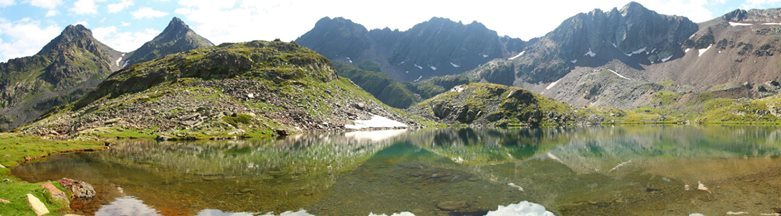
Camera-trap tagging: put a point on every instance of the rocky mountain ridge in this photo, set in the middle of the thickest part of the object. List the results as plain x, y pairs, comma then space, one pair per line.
438, 46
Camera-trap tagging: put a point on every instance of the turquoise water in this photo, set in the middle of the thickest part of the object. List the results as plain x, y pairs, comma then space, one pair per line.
645, 170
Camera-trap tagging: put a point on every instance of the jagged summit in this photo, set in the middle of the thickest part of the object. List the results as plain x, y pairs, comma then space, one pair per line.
76, 36
754, 16
68, 66
438, 46
632, 7
176, 37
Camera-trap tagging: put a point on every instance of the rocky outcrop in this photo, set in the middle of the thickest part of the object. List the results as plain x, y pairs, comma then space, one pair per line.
491, 104
80, 189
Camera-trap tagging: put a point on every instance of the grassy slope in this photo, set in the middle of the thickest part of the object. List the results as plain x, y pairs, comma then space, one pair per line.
15, 148
294, 89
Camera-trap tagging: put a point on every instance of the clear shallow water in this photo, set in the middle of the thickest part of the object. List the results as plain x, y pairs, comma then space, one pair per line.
584, 171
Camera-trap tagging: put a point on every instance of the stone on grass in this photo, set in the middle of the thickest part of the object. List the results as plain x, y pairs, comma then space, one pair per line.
38, 207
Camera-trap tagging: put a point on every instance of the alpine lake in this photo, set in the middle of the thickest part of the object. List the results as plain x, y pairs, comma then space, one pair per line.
627, 170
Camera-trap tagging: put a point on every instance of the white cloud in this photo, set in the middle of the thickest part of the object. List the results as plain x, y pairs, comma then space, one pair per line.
123, 41
242, 20
51, 13
82, 7
24, 37
119, 6
46, 4
749, 4
50, 5
145, 12
6, 3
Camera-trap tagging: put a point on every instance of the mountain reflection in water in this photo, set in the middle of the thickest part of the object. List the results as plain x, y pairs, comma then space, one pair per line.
580, 171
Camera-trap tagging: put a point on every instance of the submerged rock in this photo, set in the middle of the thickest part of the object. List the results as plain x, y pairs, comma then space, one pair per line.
80, 189
37, 206
452, 205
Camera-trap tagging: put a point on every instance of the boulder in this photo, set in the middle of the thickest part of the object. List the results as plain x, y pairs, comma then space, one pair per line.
38, 207
55, 192
5, 201
80, 189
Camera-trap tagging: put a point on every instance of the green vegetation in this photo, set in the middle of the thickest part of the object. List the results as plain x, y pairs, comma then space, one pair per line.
15, 148
255, 89
492, 104
387, 90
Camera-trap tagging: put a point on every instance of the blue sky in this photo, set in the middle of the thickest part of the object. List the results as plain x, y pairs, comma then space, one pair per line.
27, 25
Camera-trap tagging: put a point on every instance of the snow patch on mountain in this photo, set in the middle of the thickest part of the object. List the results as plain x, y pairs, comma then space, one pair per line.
667, 59
740, 24
120, 59
553, 84
516, 56
619, 75
638, 51
590, 53
702, 51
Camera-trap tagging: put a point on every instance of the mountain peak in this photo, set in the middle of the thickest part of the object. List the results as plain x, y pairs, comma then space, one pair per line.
73, 35
77, 29
632, 7
176, 37
176, 26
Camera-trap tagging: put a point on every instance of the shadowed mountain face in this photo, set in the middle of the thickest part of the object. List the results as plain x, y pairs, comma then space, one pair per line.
64, 70
432, 48
177, 37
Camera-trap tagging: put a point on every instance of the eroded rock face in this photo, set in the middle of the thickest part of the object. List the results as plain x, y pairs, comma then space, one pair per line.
80, 189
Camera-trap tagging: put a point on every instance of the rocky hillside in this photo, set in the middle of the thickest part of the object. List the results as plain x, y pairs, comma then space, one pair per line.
232, 90
492, 104
176, 37
65, 69
435, 47
632, 35
740, 47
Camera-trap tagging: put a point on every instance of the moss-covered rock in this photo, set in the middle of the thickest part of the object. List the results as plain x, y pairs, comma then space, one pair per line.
491, 104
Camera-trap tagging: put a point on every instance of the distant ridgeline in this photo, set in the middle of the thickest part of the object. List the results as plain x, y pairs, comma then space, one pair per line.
433, 48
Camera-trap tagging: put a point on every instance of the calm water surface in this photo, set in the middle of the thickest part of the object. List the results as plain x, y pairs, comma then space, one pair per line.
586, 171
